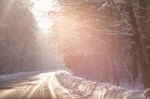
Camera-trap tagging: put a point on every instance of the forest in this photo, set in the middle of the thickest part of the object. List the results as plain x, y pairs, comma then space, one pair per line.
100, 40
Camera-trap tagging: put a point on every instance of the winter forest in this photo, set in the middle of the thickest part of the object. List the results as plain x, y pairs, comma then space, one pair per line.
105, 41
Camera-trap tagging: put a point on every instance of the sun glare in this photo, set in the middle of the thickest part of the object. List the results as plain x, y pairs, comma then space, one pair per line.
40, 10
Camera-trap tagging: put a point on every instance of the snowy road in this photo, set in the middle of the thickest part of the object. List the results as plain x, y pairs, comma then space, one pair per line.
60, 85
38, 86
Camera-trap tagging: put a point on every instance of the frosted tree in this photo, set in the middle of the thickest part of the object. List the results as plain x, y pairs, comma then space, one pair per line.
17, 27
105, 39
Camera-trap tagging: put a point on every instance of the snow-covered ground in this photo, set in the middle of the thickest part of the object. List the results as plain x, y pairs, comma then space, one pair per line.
19, 75
64, 85
84, 89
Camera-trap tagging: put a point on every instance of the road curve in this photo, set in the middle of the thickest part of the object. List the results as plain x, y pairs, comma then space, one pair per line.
62, 85
38, 86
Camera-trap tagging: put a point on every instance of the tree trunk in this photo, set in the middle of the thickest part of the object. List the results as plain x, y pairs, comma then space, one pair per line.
136, 26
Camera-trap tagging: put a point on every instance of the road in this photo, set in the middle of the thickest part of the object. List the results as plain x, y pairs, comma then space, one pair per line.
38, 86
62, 85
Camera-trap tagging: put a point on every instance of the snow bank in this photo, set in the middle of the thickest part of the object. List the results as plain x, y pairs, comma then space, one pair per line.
14, 76
84, 89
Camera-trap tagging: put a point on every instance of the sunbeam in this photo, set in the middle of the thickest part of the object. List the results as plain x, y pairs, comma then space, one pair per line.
40, 10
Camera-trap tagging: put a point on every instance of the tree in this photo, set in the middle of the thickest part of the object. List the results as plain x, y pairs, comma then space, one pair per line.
114, 30
17, 45
138, 27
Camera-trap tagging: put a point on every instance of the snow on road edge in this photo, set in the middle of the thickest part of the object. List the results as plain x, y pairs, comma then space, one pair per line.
92, 90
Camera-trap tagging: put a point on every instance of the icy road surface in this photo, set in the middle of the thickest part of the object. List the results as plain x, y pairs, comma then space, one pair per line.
61, 85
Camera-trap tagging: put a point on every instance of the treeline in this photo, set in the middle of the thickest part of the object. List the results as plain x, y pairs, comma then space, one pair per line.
105, 40
17, 37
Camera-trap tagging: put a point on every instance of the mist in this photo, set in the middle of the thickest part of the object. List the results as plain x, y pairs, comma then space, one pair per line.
49, 57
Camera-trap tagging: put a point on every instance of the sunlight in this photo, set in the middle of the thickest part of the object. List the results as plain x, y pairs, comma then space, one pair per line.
40, 10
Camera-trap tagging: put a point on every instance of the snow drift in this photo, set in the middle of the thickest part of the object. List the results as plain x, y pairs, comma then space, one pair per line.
83, 89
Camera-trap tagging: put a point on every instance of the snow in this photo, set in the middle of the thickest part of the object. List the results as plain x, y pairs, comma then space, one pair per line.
84, 89
79, 88
14, 76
